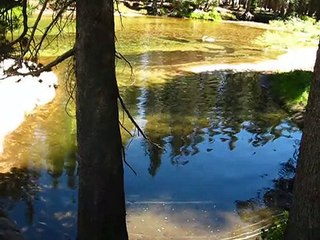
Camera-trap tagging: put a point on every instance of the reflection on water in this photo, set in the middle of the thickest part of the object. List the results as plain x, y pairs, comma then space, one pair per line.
221, 135
222, 140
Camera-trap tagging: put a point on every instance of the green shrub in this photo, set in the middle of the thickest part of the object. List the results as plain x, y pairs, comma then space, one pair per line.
308, 19
290, 33
197, 14
228, 16
213, 15
182, 8
162, 11
304, 24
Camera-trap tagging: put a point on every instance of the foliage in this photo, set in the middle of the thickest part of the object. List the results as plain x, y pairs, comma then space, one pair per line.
263, 10
295, 24
228, 16
254, 4
182, 8
9, 22
292, 88
277, 228
289, 33
23, 36
213, 15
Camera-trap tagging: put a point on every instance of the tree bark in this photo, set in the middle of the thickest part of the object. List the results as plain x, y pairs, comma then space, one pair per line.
304, 219
101, 212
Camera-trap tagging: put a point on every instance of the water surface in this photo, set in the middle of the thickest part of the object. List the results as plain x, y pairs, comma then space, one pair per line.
221, 138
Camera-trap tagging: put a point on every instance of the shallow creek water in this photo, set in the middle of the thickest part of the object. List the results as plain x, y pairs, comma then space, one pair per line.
223, 140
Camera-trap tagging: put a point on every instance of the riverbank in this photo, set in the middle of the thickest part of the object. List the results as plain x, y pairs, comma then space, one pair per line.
294, 59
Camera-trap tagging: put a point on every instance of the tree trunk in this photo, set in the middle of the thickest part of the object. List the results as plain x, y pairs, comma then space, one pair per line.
290, 9
304, 219
248, 6
317, 8
301, 7
101, 212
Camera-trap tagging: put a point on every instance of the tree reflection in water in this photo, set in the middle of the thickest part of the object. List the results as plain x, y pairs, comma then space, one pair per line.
189, 110
218, 133
19, 185
278, 197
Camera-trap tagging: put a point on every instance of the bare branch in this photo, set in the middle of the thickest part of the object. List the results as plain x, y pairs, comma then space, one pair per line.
25, 24
35, 26
52, 64
125, 161
118, 10
135, 123
120, 56
52, 24
140, 131
124, 128
70, 85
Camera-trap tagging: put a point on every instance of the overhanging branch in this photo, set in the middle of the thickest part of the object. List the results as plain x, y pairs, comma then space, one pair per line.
52, 64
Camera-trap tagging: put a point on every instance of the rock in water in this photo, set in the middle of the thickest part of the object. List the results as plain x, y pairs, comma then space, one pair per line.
208, 39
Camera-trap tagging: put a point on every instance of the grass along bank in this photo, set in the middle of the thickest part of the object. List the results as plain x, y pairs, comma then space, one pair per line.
290, 33
291, 88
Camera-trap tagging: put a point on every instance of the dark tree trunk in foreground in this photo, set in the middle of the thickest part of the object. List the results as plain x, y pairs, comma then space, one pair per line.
304, 220
101, 213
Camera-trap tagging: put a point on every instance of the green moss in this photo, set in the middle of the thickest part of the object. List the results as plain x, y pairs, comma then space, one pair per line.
292, 88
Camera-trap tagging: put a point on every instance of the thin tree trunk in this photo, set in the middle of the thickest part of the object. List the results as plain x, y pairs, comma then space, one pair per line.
304, 220
101, 212
248, 5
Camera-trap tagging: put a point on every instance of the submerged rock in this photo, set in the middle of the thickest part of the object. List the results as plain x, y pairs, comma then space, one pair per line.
21, 94
208, 39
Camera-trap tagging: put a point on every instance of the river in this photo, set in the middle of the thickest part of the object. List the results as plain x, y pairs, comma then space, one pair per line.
223, 140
